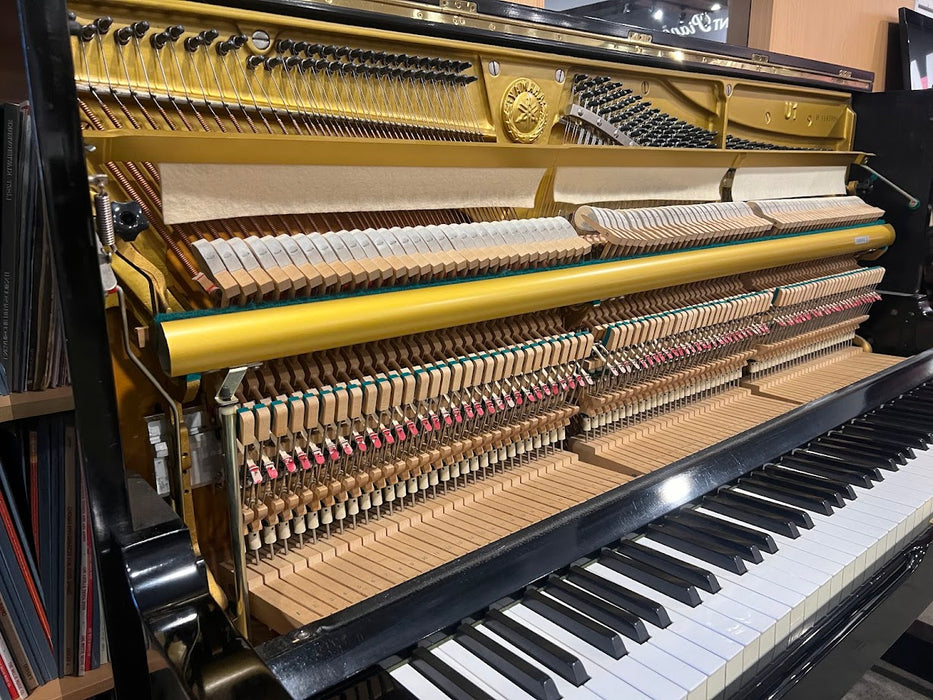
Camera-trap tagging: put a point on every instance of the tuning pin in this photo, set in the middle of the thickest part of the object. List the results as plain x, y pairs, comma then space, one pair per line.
283, 45
208, 36
238, 40
224, 47
273, 62
103, 25
193, 43
299, 47
87, 32
159, 40
123, 35
253, 62
175, 31
313, 50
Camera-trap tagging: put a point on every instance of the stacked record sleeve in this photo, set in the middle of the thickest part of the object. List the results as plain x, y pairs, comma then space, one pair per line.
50, 609
32, 351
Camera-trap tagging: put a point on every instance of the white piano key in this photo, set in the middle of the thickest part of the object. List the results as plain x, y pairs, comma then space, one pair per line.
463, 661
416, 684
722, 661
626, 672
744, 639
672, 659
565, 688
742, 590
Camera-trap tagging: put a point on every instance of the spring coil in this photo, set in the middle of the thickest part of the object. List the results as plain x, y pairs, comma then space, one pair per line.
104, 220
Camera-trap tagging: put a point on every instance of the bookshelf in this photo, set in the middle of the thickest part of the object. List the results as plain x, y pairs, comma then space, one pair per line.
100, 680
35, 403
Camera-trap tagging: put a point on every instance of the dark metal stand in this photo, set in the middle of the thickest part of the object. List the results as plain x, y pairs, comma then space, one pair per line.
898, 128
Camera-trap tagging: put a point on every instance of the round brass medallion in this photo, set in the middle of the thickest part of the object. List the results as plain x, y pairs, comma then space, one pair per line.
524, 111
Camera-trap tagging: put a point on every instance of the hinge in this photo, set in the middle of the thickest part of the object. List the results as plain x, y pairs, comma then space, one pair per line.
640, 37
459, 5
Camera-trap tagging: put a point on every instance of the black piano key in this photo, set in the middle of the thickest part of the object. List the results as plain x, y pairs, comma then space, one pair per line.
752, 516
449, 681
600, 610
915, 406
786, 495
900, 424
901, 454
593, 633
701, 578
904, 419
801, 463
529, 678
822, 458
862, 455
798, 517
651, 576
762, 540
843, 488
542, 649
738, 545
893, 429
703, 550
878, 436
899, 457
831, 495
849, 457
618, 595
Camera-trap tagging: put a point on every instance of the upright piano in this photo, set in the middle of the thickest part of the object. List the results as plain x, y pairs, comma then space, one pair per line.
471, 351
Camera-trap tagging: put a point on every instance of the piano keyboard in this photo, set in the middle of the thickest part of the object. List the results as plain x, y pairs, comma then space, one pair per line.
701, 599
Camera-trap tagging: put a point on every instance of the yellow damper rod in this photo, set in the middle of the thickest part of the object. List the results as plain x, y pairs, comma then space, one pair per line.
217, 341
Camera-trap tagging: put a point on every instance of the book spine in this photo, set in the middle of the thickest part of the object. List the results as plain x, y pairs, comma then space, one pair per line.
89, 592
11, 678
15, 645
83, 583
19, 555
23, 599
34, 490
8, 234
66, 646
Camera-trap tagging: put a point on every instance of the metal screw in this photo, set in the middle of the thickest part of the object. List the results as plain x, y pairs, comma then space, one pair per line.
559, 75
494, 68
261, 40
302, 635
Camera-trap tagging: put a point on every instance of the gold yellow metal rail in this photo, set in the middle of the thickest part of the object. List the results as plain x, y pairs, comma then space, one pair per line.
220, 148
211, 342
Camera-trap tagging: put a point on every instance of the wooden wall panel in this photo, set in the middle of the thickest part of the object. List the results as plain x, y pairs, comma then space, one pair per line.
852, 33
